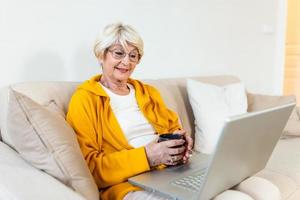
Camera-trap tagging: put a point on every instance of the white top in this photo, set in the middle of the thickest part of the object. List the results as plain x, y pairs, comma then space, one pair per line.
135, 126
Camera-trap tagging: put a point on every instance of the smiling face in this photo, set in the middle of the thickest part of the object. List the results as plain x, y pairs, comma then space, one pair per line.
118, 63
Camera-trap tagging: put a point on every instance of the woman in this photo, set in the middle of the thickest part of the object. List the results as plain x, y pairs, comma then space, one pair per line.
117, 119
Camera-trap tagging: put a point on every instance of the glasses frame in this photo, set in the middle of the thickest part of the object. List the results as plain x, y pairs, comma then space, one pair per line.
112, 51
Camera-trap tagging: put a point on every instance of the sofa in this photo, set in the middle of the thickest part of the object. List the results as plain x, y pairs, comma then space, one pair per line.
19, 179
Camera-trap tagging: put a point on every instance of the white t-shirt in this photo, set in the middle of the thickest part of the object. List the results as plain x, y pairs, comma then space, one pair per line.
135, 126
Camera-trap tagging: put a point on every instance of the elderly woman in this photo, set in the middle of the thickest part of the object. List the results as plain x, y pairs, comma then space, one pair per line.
118, 119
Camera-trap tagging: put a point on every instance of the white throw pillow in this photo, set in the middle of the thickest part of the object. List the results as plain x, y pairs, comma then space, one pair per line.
211, 104
47, 142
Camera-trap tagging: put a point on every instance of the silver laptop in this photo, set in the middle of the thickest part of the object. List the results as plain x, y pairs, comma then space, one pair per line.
243, 149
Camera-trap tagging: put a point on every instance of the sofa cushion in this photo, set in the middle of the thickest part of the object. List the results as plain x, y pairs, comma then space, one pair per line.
211, 105
259, 189
19, 180
54, 96
258, 102
174, 93
285, 158
295, 195
233, 195
286, 185
283, 167
46, 141
292, 127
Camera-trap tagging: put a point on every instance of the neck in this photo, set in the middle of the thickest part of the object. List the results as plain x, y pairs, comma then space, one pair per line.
116, 86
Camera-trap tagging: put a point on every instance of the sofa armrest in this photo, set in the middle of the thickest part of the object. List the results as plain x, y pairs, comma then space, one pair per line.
19, 180
259, 102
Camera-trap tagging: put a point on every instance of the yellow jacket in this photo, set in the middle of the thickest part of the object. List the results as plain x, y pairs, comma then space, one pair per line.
110, 158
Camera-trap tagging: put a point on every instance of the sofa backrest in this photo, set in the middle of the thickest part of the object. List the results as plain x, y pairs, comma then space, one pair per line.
174, 93
56, 95
53, 95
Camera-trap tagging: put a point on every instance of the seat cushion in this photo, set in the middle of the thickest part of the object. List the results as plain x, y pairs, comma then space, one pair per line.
283, 168
285, 158
294, 196
21, 181
259, 189
47, 142
233, 195
286, 185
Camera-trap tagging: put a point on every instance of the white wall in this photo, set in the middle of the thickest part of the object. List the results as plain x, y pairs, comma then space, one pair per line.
53, 39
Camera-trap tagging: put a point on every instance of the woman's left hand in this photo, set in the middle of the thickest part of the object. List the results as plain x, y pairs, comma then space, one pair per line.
188, 145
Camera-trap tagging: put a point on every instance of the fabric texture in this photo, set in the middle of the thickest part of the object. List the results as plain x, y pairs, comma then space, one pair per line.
233, 195
54, 96
259, 188
47, 142
174, 94
104, 146
292, 127
258, 102
283, 167
137, 130
211, 104
21, 181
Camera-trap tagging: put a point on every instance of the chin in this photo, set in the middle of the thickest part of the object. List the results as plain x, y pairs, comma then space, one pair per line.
122, 77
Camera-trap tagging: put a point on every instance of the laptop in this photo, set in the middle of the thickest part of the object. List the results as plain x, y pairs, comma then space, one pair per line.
244, 147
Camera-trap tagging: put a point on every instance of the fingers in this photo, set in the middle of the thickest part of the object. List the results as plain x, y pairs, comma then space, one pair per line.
188, 154
174, 143
189, 142
175, 151
188, 145
188, 139
171, 152
175, 159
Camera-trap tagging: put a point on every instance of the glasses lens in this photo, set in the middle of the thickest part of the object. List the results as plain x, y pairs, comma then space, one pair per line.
120, 54
133, 56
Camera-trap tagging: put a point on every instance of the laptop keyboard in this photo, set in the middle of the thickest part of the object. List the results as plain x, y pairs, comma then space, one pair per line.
191, 182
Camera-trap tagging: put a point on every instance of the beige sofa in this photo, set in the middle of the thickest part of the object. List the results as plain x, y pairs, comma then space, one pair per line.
19, 180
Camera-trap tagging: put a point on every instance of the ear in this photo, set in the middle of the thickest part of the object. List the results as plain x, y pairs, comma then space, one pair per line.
100, 60
138, 62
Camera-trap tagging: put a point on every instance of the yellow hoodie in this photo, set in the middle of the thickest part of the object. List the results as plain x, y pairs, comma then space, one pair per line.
110, 158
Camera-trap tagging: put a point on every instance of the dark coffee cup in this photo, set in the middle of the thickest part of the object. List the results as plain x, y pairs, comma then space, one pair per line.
170, 136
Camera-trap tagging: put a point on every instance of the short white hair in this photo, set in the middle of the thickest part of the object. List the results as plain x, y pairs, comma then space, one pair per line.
117, 33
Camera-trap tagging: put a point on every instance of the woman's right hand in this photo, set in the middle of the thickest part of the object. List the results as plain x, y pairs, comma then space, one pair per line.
165, 152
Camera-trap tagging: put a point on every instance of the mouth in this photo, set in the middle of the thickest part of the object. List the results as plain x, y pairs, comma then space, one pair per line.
122, 70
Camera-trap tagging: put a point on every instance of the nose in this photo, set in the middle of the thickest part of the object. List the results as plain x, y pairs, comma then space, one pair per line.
125, 60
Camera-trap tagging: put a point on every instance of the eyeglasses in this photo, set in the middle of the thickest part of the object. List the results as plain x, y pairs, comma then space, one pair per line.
119, 54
